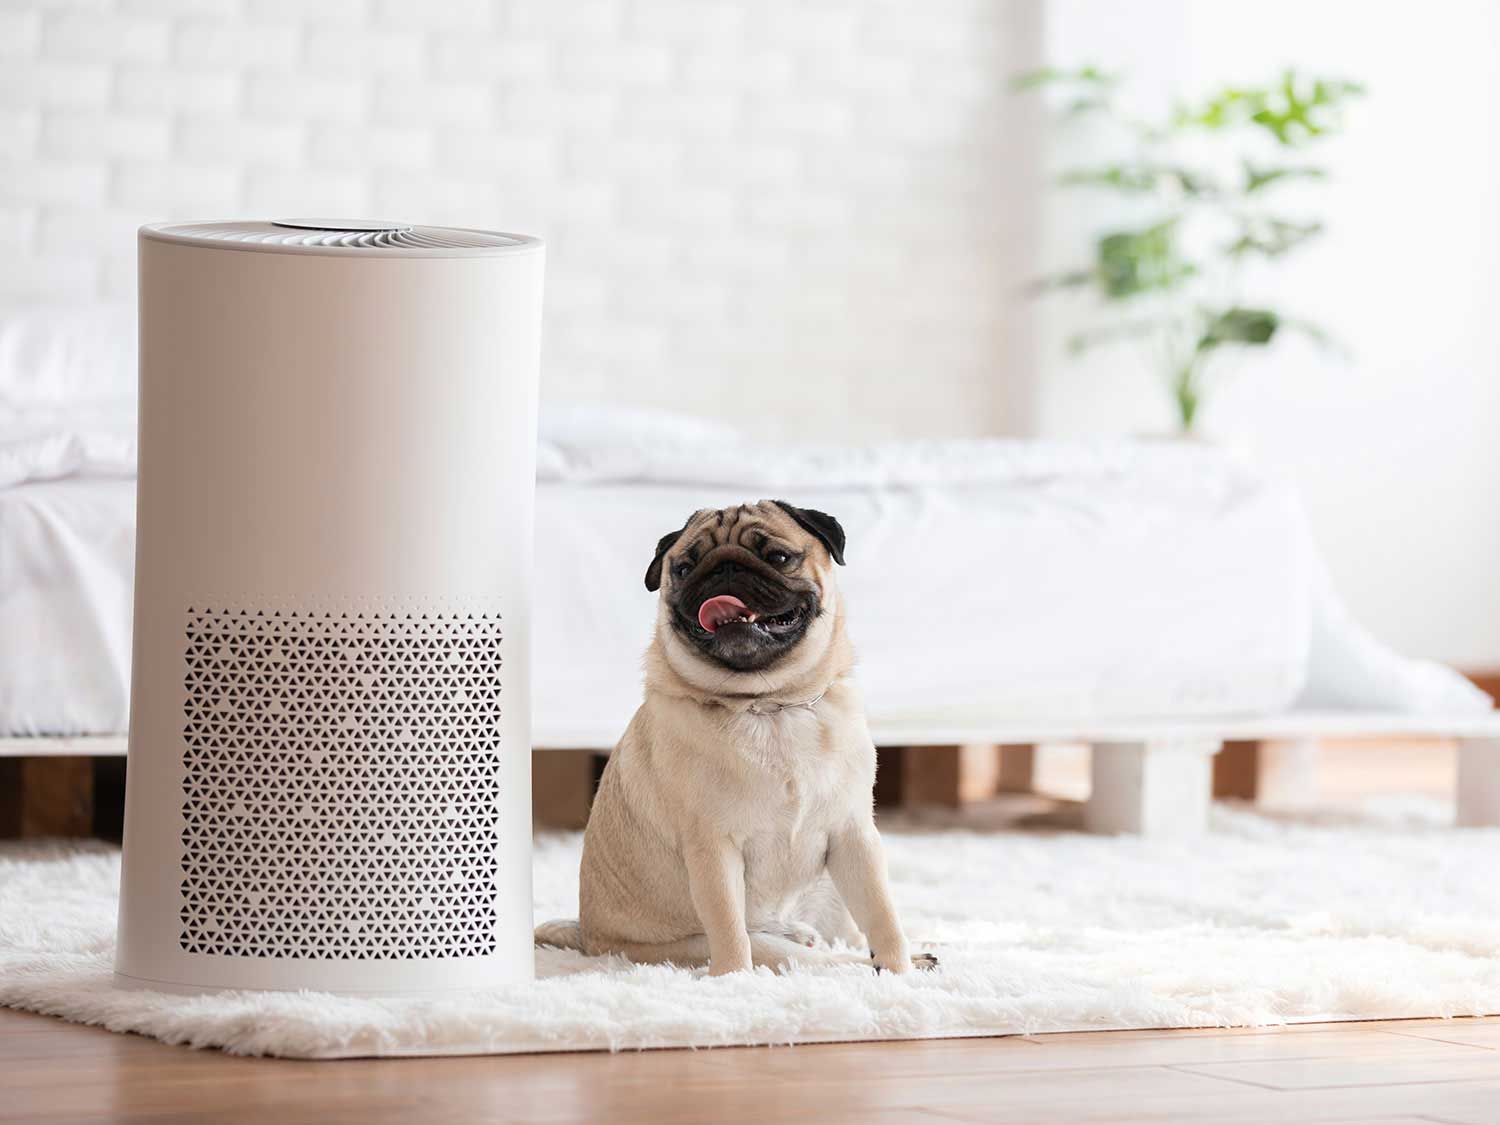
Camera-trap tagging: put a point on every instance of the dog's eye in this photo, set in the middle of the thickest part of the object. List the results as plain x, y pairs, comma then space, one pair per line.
682, 569
778, 558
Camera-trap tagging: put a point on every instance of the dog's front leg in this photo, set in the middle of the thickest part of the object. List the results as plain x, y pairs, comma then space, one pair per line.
716, 880
856, 860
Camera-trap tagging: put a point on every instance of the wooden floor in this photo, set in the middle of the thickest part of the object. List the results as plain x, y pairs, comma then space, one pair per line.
1407, 1071
1389, 1073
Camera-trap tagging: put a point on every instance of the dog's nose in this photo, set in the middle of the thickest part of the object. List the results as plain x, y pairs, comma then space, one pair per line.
726, 568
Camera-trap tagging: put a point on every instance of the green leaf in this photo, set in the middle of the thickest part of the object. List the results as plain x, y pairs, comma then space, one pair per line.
1229, 106
1271, 237
1258, 178
1134, 262
1141, 179
1293, 110
1246, 327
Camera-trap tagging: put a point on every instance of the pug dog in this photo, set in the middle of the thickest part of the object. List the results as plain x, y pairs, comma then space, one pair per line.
734, 824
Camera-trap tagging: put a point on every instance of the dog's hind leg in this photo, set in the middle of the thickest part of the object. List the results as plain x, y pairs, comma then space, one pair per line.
687, 953
559, 934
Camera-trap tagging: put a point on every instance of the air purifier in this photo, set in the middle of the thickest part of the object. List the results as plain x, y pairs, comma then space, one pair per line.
329, 764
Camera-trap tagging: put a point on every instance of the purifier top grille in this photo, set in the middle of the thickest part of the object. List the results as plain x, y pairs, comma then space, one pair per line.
342, 236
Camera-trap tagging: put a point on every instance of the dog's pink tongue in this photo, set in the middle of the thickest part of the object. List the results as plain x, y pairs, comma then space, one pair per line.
716, 611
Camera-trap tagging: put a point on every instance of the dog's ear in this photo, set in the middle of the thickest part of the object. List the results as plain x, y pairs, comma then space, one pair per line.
819, 524
663, 545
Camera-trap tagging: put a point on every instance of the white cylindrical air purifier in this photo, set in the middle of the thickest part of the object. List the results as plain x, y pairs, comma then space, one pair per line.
329, 773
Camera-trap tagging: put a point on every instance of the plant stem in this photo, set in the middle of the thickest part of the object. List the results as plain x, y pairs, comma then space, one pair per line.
1185, 390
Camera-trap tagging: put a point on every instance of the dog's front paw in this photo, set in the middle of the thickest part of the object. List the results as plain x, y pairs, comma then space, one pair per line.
904, 963
723, 966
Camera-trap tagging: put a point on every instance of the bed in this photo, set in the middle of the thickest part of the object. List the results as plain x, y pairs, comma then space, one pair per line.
1148, 596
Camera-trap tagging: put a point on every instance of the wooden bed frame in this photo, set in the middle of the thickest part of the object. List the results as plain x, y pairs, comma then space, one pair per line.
1158, 777
1150, 777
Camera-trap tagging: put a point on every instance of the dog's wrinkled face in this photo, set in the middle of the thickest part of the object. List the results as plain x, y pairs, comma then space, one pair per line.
744, 585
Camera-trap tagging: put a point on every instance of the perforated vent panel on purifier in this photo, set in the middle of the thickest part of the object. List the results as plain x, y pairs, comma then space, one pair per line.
342, 782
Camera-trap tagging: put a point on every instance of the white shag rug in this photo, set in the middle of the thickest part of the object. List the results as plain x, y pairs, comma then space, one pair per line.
1266, 920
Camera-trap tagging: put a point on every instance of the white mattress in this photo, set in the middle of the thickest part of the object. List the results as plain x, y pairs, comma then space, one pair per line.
986, 580
67, 556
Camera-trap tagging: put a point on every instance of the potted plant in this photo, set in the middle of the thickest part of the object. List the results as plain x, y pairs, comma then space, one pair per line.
1175, 279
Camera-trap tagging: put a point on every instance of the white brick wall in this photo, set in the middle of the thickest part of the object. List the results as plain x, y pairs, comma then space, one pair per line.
813, 215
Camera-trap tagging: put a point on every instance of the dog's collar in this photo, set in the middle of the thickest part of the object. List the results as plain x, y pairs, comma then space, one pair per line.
776, 708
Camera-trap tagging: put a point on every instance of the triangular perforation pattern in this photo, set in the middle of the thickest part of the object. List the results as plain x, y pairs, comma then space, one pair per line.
341, 789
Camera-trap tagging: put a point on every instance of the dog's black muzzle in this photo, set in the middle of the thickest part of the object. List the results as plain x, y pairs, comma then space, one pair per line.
783, 608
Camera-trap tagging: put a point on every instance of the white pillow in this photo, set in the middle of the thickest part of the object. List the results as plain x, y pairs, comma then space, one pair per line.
589, 427
67, 357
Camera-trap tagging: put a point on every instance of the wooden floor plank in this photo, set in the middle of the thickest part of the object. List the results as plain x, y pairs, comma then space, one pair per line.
1485, 1033
1093, 1051
1422, 1068
1390, 1071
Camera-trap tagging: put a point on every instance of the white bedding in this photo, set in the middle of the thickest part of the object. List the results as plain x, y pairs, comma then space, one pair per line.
1016, 580
67, 394
67, 554
1075, 598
